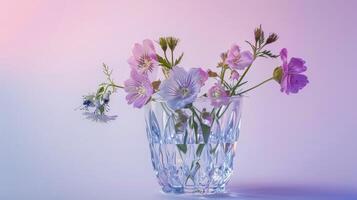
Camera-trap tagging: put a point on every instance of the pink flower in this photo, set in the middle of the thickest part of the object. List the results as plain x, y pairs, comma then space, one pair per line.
139, 89
237, 59
234, 75
144, 58
218, 95
203, 75
292, 80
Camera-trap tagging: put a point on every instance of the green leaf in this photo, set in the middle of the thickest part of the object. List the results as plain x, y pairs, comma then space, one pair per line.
101, 109
177, 61
100, 90
251, 45
205, 132
195, 128
182, 147
214, 149
199, 149
267, 53
163, 62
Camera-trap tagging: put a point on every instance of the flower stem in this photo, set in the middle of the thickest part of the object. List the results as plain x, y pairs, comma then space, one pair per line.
243, 75
172, 58
220, 115
167, 59
256, 52
117, 86
222, 74
269, 79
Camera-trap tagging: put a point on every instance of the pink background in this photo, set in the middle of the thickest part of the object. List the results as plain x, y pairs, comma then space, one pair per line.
51, 53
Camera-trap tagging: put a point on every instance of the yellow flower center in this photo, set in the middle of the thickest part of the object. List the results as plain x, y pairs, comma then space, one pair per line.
216, 94
141, 90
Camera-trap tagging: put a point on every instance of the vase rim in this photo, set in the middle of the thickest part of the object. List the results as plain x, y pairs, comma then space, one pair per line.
159, 99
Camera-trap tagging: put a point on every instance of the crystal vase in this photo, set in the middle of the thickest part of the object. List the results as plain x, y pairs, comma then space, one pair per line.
192, 149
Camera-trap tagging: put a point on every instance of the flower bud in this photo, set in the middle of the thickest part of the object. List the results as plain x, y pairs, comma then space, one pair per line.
156, 84
172, 42
212, 74
259, 34
163, 43
278, 74
272, 38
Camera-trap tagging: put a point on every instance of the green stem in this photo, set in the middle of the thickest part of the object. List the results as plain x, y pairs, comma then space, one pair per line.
117, 86
243, 75
112, 85
166, 58
225, 83
172, 58
195, 113
269, 79
220, 115
256, 51
222, 73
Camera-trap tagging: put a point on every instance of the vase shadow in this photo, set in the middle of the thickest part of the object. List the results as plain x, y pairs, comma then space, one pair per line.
277, 192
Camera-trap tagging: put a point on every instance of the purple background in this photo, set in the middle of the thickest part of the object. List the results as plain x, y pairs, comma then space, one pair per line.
291, 147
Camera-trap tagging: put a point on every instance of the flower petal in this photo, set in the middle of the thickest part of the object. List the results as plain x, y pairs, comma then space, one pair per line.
148, 47
138, 50
297, 82
245, 60
133, 62
284, 55
140, 102
234, 50
296, 65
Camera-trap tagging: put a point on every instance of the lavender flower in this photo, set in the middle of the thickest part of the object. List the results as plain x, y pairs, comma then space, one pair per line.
139, 89
203, 75
291, 79
218, 95
144, 58
237, 59
181, 88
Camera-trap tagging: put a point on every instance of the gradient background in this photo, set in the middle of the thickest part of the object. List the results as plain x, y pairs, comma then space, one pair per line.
291, 147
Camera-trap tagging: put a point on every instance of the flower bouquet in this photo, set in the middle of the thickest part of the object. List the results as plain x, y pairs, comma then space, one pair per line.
193, 115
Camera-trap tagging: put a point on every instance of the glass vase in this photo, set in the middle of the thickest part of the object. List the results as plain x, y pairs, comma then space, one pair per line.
192, 149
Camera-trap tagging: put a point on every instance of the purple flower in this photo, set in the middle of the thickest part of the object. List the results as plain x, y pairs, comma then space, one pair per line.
139, 89
292, 80
181, 88
144, 58
234, 75
203, 75
237, 59
218, 95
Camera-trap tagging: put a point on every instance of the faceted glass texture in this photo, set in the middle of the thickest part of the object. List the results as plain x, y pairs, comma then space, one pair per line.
193, 148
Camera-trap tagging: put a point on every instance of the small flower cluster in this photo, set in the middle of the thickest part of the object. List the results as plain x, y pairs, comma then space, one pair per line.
155, 75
